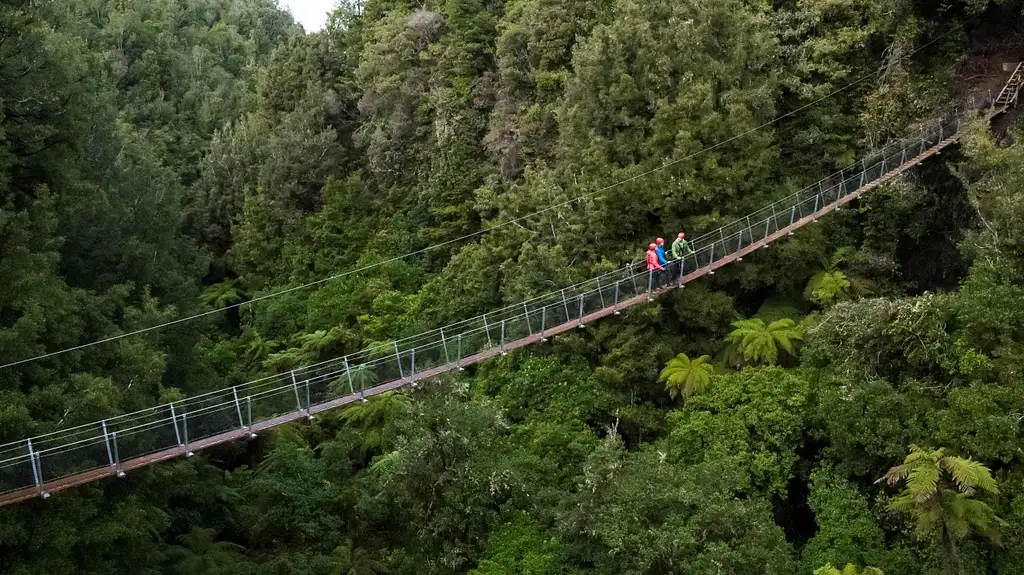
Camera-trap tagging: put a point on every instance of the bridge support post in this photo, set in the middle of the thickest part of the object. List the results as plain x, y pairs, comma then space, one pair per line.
814, 214
600, 293
238, 407
37, 469
526, 314
398, 359
412, 366
309, 416
487, 330
295, 387
501, 345
767, 224
444, 344
792, 218
711, 259
106, 440
117, 456
174, 419
615, 305
543, 322
184, 427
580, 325
348, 374
565, 304
458, 350
248, 411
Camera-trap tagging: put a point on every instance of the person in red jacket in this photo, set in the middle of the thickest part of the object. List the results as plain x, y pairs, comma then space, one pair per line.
652, 259
654, 267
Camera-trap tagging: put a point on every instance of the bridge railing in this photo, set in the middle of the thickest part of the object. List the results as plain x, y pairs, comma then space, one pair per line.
104, 445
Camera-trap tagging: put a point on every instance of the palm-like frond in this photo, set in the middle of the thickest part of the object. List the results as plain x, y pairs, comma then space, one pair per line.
363, 376
223, 294
285, 360
259, 348
922, 481
314, 344
970, 475
829, 283
199, 552
941, 505
377, 410
760, 343
826, 286
685, 377
386, 463
346, 561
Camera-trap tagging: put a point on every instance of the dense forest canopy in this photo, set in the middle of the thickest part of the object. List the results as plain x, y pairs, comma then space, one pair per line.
847, 402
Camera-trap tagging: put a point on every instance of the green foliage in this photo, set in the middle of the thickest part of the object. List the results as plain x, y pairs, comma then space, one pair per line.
826, 286
636, 512
223, 294
847, 530
520, 546
850, 569
939, 494
753, 419
198, 552
684, 377
346, 561
760, 343
156, 157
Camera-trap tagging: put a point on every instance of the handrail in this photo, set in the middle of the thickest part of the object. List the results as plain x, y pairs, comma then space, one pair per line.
50, 462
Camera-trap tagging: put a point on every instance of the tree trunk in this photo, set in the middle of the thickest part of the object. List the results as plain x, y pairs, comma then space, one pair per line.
951, 553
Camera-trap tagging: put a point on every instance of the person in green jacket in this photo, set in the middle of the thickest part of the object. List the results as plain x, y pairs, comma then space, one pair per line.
681, 247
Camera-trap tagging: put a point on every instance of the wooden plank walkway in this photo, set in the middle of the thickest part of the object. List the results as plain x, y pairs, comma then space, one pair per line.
69, 481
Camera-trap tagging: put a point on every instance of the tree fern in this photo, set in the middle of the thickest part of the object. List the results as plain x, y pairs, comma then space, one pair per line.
377, 410
830, 283
760, 343
684, 377
944, 508
223, 294
259, 348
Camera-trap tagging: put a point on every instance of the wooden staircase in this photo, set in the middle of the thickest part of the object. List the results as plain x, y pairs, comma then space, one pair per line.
1008, 96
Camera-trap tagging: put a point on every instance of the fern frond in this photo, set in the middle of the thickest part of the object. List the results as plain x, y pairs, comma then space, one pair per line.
923, 480
969, 474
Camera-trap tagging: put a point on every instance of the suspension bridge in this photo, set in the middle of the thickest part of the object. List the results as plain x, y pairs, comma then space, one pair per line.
48, 463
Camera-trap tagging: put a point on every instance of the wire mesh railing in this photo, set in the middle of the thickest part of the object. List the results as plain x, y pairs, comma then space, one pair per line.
104, 446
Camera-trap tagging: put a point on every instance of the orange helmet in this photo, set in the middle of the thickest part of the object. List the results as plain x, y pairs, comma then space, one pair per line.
652, 247
681, 235
661, 241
